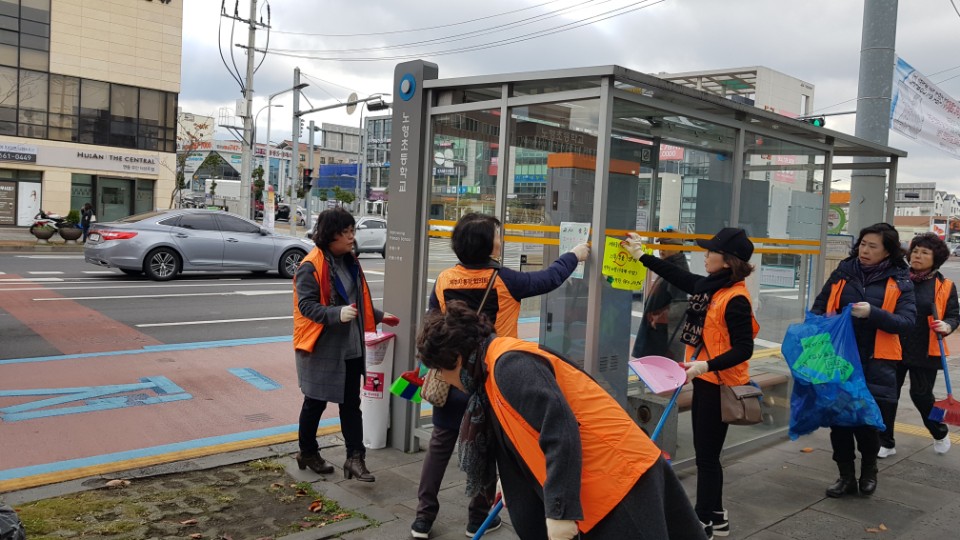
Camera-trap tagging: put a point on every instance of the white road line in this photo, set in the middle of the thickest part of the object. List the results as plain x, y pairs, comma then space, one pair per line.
28, 280
765, 343
130, 297
50, 273
109, 272
147, 285
377, 272
219, 321
636, 313
787, 297
776, 290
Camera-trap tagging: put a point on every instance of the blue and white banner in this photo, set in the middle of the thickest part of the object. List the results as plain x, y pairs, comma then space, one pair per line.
923, 112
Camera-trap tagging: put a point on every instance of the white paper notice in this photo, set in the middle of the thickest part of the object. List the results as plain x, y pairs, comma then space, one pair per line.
572, 234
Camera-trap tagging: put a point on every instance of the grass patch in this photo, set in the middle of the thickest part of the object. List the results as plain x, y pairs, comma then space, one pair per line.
88, 512
266, 465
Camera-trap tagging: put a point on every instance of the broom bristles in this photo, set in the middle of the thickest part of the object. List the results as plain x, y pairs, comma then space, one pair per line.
946, 411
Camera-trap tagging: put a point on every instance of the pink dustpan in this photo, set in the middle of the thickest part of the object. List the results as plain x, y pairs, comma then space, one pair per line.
658, 373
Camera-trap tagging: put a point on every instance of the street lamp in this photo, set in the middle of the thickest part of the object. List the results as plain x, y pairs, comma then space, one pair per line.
296, 88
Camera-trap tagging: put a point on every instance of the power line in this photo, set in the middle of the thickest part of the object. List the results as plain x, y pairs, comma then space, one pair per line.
854, 99
420, 29
317, 80
955, 8
458, 37
498, 43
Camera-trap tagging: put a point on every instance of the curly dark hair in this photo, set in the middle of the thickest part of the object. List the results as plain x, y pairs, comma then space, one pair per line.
445, 337
935, 244
473, 237
891, 242
330, 223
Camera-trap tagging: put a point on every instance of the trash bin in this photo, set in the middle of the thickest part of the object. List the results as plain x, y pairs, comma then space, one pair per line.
375, 394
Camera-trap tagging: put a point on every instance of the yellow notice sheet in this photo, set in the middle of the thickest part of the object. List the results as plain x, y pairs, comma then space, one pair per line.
621, 270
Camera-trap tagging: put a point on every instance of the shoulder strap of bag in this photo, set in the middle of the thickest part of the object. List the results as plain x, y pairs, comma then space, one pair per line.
486, 293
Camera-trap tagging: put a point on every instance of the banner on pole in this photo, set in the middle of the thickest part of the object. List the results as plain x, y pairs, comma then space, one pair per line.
923, 112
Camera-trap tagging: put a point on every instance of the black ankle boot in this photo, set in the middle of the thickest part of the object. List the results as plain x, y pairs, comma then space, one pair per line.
316, 463
868, 477
847, 483
356, 467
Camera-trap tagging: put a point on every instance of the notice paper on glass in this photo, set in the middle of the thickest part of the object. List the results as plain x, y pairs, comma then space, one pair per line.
573, 234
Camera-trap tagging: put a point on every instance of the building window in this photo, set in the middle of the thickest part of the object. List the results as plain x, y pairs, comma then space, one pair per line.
25, 34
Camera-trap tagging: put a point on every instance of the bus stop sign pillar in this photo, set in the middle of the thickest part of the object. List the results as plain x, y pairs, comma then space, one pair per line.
407, 231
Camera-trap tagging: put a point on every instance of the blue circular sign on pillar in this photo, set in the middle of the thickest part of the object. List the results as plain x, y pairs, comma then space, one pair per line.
408, 87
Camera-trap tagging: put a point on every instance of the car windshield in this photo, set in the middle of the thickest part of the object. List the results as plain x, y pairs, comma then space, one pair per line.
140, 217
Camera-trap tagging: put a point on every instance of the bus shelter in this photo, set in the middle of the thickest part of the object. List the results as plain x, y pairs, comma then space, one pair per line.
601, 152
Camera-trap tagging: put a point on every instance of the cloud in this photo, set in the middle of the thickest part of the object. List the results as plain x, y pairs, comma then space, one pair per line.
817, 41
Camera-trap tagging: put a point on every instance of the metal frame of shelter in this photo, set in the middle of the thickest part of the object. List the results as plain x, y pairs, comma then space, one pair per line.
407, 244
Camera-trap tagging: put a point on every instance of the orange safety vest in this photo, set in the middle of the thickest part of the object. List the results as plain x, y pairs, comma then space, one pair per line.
886, 345
501, 306
942, 294
306, 332
616, 453
716, 337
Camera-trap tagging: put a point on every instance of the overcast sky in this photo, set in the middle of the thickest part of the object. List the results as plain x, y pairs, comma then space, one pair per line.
817, 41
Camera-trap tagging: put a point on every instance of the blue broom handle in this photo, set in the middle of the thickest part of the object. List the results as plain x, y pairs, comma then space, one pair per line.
943, 360
943, 353
666, 412
490, 517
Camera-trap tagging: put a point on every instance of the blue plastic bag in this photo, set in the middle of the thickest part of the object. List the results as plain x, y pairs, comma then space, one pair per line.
829, 388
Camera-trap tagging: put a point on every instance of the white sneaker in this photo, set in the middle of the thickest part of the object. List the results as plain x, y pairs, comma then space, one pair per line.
886, 452
942, 445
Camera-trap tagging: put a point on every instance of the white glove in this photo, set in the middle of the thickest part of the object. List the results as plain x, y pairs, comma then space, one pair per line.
348, 313
695, 369
861, 310
941, 327
500, 492
561, 529
634, 245
582, 251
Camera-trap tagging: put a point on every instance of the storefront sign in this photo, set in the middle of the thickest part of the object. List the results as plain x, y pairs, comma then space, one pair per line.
98, 160
8, 199
18, 152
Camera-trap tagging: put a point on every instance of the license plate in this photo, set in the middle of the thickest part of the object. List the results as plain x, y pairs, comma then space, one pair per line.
94, 237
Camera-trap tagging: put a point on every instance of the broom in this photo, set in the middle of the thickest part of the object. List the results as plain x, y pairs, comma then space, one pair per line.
947, 410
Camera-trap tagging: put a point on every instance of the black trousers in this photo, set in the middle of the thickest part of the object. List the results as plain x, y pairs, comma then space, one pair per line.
709, 434
442, 443
921, 393
351, 419
847, 440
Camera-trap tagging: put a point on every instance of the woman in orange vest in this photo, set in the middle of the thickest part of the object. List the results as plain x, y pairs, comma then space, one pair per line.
921, 351
332, 309
874, 278
718, 331
476, 242
571, 460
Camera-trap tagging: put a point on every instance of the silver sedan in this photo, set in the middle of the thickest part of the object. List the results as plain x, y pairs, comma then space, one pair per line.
164, 243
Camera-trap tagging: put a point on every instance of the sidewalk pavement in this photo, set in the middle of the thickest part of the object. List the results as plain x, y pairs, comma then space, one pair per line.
775, 492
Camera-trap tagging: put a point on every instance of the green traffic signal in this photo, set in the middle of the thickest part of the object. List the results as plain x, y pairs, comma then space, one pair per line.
818, 121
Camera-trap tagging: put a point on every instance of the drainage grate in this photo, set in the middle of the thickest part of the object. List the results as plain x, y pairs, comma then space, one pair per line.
259, 417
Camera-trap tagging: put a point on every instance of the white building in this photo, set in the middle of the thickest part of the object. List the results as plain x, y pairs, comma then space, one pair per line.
88, 106
774, 203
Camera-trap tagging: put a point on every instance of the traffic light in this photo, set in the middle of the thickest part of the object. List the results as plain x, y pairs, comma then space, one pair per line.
307, 173
817, 121
301, 126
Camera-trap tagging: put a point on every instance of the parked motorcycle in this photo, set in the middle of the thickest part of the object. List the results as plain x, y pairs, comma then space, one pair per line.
45, 219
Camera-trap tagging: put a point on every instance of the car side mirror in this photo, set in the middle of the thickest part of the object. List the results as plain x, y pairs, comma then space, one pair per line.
264, 232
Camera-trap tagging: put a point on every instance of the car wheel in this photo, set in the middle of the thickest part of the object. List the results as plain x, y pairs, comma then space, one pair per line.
383, 253
129, 272
289, 263
162, 264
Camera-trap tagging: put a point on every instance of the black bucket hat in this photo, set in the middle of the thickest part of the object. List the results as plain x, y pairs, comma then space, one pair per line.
730, 240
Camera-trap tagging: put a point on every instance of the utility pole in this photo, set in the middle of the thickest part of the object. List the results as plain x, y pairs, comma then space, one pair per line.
295, 159
245, 164
306, 197
877, 57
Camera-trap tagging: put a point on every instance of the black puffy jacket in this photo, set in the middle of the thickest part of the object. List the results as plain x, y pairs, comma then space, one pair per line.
881, 375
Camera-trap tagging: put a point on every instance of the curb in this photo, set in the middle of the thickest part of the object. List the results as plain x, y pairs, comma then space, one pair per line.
33, 246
